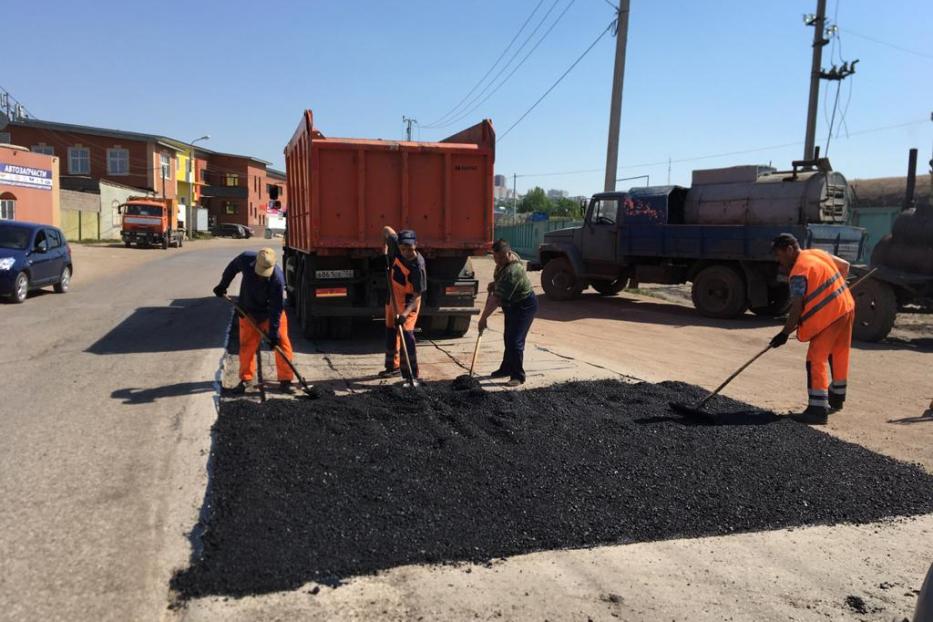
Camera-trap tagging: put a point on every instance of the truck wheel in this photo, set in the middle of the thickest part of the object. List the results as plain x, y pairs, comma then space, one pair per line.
719, 291
458, 325
875, 310
434, 325
559, 281
778, 302
340, 327
164, 242
126, 244
607, 287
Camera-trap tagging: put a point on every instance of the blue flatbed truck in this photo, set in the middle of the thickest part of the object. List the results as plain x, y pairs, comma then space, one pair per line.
641, 235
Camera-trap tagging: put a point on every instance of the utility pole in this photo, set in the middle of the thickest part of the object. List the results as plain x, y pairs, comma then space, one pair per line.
408, 121
818, 22
514, 193
615, 106
192, 215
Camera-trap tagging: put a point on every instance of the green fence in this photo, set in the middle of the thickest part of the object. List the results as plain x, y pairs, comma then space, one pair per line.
525, 237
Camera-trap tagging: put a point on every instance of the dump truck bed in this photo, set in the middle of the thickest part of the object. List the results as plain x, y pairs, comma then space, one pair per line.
342, 191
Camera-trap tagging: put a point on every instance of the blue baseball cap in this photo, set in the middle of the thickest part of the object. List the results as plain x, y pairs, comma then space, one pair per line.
407, 236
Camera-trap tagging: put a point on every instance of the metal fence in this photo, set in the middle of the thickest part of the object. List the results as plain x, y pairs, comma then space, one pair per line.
525, 237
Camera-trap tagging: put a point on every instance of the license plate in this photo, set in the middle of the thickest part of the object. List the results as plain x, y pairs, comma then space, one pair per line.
333, 274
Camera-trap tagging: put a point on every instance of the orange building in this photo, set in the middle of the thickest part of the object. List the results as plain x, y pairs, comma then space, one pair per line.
29, 188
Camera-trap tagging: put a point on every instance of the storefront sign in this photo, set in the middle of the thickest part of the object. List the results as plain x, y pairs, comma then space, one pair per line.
25, 176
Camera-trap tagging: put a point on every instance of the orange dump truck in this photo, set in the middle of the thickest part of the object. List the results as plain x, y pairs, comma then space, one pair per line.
148, 221
343, 191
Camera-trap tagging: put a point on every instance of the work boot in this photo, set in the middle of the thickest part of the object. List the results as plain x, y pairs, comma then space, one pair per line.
239, 389
388, 373
285, 386
836, 403
515, 382
499, 373
813, 415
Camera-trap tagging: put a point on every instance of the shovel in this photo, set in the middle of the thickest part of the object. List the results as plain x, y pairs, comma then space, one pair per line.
310, 390
697, 409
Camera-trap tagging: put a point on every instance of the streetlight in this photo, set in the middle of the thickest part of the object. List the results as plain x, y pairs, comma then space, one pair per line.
192, 215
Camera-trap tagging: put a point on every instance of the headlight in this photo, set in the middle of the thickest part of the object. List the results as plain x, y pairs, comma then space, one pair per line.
7, 264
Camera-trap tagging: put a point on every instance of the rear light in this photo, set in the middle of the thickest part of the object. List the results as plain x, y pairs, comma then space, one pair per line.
459, 290
330, 292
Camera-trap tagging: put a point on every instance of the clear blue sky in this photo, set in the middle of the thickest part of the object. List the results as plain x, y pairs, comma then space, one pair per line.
701, 78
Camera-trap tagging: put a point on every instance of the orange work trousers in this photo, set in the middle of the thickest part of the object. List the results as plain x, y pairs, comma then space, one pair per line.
828, 362
249, 344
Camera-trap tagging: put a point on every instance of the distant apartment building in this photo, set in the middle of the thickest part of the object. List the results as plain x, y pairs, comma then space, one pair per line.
500, 189
234, 188
556, 194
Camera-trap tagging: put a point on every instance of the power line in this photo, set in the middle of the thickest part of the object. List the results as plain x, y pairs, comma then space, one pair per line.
489, 71
722, 154
563, 75
506, 66
890, 45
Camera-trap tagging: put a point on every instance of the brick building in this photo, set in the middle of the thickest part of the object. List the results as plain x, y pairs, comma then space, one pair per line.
234, 188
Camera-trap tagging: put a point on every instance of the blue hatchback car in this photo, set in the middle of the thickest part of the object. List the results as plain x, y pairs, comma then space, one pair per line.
32, 256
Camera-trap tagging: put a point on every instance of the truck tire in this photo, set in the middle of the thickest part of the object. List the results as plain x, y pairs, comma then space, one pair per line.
609, 287
559, 280
126, 244
875, 310
778, 302
165, 242
458, 325
340, 327
719, 292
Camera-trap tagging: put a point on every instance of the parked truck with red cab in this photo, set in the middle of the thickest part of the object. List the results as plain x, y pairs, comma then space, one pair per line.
343, 191
149, 221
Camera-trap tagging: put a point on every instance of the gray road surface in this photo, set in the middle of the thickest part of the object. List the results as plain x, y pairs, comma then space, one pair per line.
104, 420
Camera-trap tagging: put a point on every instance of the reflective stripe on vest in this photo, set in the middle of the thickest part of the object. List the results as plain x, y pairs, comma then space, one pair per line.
827, 297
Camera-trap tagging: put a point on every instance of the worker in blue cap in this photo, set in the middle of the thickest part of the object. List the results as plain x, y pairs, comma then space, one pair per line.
408, 280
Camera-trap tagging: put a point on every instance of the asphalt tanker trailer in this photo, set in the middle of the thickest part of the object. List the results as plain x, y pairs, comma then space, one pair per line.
715, 235
343, 191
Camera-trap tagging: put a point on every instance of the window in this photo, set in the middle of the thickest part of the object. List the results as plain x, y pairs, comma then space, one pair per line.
231, 179
43, 148
79, 160
166, 161
40, 238
605, 212
230, 208
118, 161
7, 209
55, 241
204, 175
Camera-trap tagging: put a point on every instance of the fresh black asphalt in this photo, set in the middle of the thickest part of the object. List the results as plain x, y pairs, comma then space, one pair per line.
324, 490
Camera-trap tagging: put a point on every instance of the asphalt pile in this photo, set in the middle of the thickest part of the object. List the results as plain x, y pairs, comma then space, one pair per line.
327, 489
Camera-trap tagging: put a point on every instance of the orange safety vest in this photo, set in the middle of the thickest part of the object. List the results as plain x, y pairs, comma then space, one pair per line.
402, 292
827, 298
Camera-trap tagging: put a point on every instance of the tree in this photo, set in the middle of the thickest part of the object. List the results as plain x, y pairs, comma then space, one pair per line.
535, 201
567, 207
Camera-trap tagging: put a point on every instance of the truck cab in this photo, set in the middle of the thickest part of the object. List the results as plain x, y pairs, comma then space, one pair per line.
151, 222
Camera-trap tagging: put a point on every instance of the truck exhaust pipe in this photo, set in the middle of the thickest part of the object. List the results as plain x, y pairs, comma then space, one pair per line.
911, 179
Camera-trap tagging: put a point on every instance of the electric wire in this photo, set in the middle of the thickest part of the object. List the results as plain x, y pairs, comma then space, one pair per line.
489, 71
553, 86
515, 69
890, 45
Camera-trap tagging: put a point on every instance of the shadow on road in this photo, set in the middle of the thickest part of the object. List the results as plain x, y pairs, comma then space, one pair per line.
186, 324
640, 311
133, 395
921, 344
926, 417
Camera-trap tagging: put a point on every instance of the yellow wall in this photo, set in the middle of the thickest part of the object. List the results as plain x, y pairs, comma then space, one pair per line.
181, 175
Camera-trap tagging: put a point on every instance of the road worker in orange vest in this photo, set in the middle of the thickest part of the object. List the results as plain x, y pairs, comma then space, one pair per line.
408, 281
822, 311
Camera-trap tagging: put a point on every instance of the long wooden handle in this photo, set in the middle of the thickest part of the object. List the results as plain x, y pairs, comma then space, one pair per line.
475, 352
732, 377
